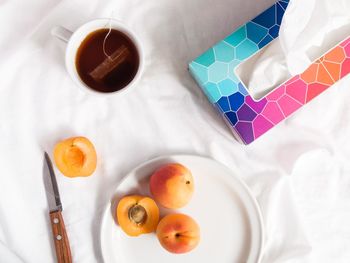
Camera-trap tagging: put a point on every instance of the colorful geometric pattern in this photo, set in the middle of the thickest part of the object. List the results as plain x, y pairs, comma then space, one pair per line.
248, 118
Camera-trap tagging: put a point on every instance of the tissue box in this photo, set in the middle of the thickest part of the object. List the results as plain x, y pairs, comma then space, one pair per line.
249, 118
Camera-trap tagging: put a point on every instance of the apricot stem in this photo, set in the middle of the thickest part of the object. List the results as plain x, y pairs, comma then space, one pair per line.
137, 214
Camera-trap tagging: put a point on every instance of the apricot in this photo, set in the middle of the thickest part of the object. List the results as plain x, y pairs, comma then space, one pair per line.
75, 157
178, 233
137, 215
172, 185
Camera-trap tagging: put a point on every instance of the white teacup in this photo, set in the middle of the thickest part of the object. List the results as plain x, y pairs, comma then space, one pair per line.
74, 39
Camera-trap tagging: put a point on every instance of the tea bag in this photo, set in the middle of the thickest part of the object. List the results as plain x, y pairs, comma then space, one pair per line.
110, 63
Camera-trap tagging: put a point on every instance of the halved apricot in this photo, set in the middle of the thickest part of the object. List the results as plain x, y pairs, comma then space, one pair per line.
75, 157
137, 215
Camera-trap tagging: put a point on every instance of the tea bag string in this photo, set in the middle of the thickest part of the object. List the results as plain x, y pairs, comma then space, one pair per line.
107, 35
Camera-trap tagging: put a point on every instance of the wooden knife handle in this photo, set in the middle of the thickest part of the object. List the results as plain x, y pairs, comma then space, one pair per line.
60, 237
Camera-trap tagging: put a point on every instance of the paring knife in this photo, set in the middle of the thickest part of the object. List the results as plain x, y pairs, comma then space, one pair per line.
60, 237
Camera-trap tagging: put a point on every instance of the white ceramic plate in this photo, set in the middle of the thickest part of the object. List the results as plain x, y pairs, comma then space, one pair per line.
227, 213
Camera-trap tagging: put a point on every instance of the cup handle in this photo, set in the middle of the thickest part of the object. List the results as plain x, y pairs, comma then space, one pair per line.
61, 33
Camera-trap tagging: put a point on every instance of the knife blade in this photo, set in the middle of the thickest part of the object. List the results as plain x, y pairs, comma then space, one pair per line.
63, 252
54, 185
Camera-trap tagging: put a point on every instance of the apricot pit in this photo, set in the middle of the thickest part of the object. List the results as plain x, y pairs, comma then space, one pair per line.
137, 214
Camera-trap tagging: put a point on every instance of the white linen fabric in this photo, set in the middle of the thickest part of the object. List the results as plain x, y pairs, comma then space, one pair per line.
298, 171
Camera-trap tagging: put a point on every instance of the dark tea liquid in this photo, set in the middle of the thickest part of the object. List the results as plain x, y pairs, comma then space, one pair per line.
90, 55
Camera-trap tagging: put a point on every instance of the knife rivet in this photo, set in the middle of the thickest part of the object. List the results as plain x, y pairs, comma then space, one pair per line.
55, 220
58, 237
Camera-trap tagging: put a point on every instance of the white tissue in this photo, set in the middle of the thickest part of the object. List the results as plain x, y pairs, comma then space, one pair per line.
309, 29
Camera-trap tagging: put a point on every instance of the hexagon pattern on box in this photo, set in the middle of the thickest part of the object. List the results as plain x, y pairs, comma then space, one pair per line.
249, 119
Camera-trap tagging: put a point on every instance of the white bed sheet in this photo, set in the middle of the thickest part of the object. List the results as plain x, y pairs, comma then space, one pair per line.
299, 171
